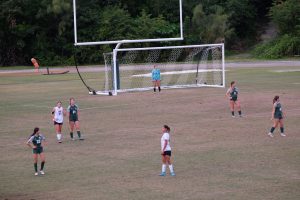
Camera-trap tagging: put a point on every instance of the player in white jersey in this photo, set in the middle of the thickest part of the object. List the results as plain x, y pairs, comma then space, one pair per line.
166, 151
58, 114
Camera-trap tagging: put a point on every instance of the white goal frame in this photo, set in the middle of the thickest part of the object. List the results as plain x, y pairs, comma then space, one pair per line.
115, 90
76, 43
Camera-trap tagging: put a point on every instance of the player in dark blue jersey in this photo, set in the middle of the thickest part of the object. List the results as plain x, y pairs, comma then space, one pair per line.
277, 116
35, 142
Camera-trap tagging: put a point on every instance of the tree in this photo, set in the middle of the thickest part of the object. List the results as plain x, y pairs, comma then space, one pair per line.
286, 15
212, 27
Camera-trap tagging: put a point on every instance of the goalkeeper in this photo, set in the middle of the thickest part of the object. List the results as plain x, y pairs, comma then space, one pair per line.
156, 78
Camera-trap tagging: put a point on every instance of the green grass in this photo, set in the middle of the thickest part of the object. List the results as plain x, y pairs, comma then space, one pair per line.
215, 156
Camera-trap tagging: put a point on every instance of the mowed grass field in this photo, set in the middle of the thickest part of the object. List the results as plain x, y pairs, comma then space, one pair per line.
215, 156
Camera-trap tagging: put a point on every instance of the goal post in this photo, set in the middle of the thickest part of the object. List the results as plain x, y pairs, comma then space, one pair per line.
129, 69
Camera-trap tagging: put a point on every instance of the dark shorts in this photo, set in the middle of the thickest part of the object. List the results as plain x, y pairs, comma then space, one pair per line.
37, 150
55, 123
278, 117
233, 99
167, 153
73, 119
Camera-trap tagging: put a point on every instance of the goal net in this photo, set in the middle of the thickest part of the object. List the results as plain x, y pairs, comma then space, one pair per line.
180, 67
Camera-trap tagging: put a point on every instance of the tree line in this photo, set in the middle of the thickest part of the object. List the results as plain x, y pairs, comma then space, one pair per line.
44, 28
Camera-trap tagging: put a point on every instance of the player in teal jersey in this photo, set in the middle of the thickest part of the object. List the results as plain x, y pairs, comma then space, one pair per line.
232, 94
73, 113
277, 116
35, 142
156, 78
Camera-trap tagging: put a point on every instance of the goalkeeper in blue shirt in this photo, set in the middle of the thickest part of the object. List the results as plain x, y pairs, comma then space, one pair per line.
156, 78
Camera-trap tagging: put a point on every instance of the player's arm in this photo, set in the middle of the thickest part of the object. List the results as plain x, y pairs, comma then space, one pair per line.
68, 111
52, 113
29, 143
273, 111
165, 146
64, 112
228, 94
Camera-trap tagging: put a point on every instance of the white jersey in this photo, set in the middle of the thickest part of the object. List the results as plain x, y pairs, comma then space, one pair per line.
58, 114
165, 136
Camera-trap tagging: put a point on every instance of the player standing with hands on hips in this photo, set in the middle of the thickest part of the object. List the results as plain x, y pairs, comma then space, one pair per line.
35, 142
277, 116
166, 151
73, 113
232, 94
156, 78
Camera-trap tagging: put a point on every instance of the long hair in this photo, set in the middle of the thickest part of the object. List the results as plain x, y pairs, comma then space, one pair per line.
275, 99
35, 130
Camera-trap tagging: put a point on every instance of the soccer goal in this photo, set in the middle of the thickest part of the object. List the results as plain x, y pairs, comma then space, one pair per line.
180, 66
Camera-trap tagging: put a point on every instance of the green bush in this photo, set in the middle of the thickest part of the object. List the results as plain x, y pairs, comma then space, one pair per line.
280, 47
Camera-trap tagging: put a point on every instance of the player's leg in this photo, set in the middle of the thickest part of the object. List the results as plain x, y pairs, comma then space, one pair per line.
59, 131
281, 128
231, 104
43, 160
164, 165
72, 124
271, 134
238, 105
154, 85
58, 135
168, 161
35, 160
158, 85
77, 126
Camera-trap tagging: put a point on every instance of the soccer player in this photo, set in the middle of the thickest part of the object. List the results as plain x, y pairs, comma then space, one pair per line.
58, 113
156, 78
73, 113
232, 94
35, 142
166, 151
277, 116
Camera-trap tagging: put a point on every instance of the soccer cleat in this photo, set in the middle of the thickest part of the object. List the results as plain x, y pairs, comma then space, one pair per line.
42, 172
80, 138
270, 134
73, 139
282, 134
36, 174
173, 174
232, 116
162, 174
59, 141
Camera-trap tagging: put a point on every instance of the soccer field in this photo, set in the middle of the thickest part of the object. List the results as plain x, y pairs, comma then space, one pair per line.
215, 156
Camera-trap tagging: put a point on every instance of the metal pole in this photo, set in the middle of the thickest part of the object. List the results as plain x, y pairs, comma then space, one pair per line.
223, 64
75, 22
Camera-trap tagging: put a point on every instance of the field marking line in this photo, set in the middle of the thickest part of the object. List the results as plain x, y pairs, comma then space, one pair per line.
286, 70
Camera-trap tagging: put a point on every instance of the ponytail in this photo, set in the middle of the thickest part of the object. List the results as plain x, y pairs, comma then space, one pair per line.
232, 82
35, 130
275, 99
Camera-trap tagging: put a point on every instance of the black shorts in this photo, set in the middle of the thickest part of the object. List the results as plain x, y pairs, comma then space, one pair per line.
278, 117
167, 153
73, 119
37, 150
55, 123
233, 99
